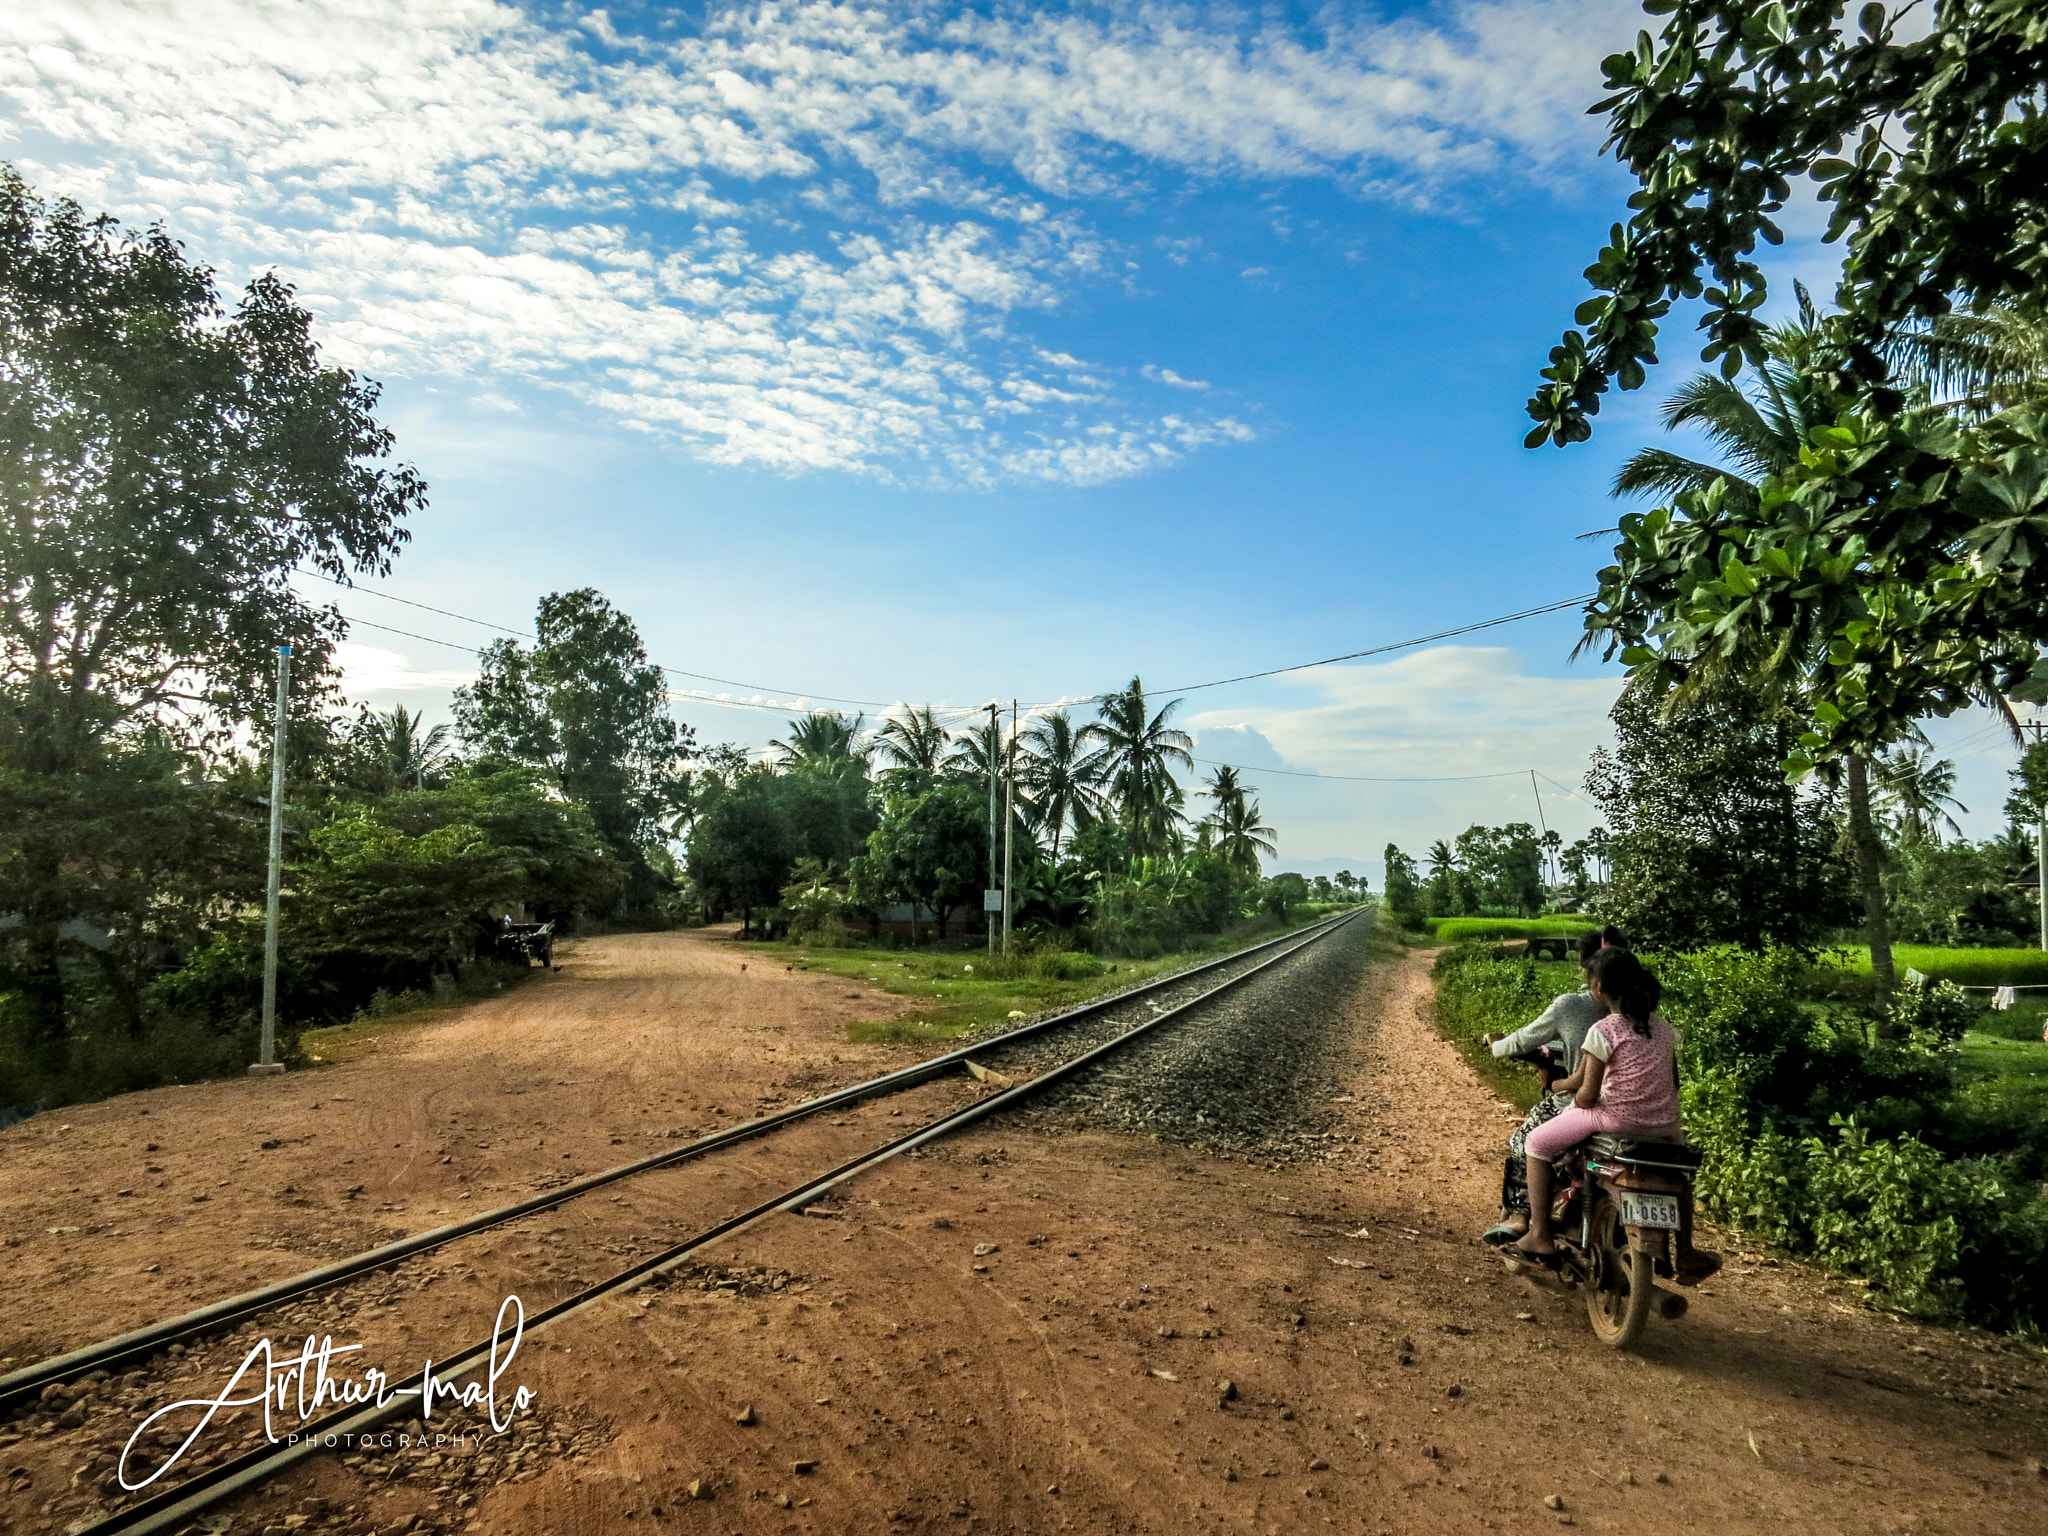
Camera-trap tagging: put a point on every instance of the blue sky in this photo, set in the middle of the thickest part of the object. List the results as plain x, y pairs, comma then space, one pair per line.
934, 354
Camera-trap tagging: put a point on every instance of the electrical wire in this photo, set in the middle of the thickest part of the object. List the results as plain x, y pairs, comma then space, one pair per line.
961, 710
1398, 645
1353, 778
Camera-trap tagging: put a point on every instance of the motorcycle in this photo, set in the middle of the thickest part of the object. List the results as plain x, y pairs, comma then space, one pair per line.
1621, 1213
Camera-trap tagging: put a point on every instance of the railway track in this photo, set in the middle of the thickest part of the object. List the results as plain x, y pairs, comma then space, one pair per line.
174, 1508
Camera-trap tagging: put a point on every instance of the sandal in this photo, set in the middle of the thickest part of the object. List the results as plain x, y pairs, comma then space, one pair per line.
1552, 1261
1499, 1235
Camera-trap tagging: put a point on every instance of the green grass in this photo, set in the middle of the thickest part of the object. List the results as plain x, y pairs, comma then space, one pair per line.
1964, 967
1453, 930
2006, 1081
950, 1000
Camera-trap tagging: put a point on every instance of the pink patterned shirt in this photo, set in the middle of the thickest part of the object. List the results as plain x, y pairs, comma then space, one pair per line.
1640, 1087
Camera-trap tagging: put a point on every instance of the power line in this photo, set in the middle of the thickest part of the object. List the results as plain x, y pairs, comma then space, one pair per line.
963, 710
1353, 778
1398, 645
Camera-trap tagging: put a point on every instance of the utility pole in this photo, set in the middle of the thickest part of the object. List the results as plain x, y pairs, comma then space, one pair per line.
2040, 845
268, 1064
991, 897
1538, 793
1009, 827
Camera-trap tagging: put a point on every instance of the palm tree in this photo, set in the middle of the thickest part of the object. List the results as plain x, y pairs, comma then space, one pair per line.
1061, 776
1140, 749
1224, 787
1920, 787
1239, 836
1441, 859
1761, 431
401, 749
822, 737
913, 743
1982, 363
980, 753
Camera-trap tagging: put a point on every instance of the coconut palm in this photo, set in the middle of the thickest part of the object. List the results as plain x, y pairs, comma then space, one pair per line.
1061, 776
1920, 789
1224, 787
1980, 363
1140, 750
1441, 858
399, 748
1760, 430
822, 737
913, 743
1240, 837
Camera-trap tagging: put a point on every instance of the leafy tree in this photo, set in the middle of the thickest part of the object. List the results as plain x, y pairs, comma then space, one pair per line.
1140, 750
1101, 848
1060, 776
165, 464
1762, 432
929, 849
1283, 893
587, 707
1505, 866
1404, 894
1895, 567
1710, 844
741, 852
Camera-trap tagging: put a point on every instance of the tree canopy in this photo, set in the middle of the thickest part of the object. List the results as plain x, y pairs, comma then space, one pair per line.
1894, 567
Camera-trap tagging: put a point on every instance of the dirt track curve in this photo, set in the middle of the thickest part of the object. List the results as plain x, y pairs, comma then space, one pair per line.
1388, 1376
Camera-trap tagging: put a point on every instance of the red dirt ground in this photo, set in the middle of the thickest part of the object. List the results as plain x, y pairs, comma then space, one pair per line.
1389, 1376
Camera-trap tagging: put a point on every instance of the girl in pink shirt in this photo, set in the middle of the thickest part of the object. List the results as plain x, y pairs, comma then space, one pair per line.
1628, 1082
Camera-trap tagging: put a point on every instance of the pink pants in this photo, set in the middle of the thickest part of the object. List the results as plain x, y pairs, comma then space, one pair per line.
1574, 1125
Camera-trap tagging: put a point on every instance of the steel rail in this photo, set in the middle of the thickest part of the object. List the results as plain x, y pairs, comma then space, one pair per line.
167, 1510
29, 1381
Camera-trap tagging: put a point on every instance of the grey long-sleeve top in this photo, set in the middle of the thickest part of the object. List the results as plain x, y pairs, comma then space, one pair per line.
1565, 1022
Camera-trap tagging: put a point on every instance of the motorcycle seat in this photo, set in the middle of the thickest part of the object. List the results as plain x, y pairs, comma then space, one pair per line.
1644, 1152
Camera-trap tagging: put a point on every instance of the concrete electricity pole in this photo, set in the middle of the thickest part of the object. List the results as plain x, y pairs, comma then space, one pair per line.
991, 897
2041, 847
268, 1065
1010, 827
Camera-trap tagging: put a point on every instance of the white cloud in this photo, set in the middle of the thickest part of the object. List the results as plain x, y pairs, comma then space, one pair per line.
1168, 376
1416, 727
463, 189
372, 670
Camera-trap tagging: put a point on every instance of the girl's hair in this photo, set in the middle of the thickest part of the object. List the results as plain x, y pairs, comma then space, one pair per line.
1628, 985
1591, 943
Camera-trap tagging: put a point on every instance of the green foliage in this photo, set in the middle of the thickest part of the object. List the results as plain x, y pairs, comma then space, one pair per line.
1482, 991
1893, 568
1404, 892
1282, 893
587, 708
741, 850
1708, 843
1950, 894
166, 464
1505, 865
818, 908
930, 848
1159, 905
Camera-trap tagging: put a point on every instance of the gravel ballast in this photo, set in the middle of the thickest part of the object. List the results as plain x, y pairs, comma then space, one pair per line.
1251, 1072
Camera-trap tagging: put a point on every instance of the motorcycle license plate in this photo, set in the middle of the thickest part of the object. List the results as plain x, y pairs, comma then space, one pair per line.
1649, 1210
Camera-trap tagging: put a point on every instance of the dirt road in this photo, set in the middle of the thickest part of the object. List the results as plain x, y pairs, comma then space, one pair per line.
1386, 1374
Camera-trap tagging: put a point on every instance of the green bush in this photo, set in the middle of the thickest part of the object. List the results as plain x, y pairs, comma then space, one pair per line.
1031, 962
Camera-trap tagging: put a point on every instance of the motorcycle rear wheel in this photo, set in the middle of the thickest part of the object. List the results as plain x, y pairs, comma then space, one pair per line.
1621, 1290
